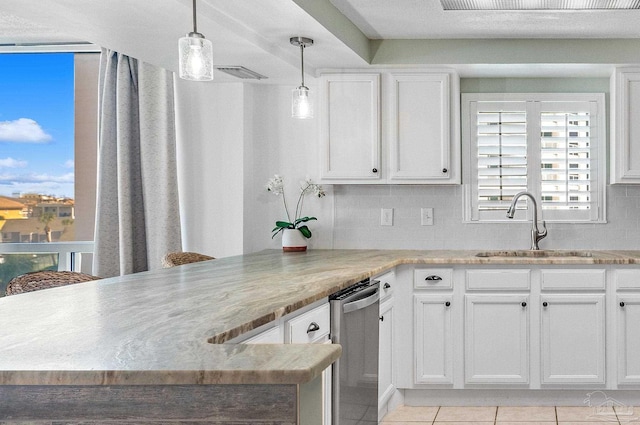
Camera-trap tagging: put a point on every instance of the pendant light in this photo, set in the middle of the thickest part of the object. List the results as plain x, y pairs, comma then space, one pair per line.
196, 55
301, 105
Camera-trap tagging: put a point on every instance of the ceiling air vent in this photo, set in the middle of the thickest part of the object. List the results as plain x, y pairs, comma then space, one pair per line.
539, 4
242, 72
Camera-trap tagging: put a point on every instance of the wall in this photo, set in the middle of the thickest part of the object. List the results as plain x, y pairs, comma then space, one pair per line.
357, 220
210, 126
244, 135
288, 147
232, 138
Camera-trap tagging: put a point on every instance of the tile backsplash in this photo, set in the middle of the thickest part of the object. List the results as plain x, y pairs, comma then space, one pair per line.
357, 222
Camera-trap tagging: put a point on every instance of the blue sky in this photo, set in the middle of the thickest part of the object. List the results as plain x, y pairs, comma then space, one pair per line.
36, 123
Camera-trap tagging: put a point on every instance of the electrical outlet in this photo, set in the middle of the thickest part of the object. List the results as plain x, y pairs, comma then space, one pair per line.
426, 216
386, 217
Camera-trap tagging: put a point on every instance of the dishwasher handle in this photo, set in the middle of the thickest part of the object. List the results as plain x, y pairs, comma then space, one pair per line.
362, 302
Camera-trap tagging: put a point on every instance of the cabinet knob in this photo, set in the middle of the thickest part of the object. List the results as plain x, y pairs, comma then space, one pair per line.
544, 304
445, 171
375, 170
313, 326
524, 304
448, 303
382, 318
386, 285
621, 303
433, 277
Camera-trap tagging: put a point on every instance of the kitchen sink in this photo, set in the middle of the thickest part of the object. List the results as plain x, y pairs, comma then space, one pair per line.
534, 253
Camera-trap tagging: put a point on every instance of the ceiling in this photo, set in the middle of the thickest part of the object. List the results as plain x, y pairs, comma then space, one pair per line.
255, 33
425, 19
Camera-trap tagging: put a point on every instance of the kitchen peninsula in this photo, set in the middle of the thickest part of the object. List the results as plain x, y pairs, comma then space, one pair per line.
151, 346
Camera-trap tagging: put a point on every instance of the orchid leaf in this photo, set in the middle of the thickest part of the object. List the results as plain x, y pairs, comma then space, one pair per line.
304, 219
305, 231
285, 225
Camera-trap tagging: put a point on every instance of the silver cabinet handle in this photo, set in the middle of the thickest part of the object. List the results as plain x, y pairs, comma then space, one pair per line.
313, 326
433, 277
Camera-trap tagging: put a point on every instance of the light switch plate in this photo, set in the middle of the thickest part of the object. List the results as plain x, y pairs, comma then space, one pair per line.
386, 217
426, 216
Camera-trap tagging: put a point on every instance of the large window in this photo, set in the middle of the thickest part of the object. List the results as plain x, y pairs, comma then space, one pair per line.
552, 145
48, 153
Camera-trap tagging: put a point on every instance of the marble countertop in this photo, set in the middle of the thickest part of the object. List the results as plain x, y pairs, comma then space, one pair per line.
169, 326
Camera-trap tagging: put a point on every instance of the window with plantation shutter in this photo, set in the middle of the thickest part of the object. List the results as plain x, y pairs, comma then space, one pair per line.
551, 145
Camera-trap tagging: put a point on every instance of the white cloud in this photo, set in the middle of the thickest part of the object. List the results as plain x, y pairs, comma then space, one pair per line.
69, 164
61, 185
23, 130
12, 163
36, 178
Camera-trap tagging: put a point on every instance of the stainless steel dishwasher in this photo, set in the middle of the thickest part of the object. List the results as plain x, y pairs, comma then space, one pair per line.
355, 325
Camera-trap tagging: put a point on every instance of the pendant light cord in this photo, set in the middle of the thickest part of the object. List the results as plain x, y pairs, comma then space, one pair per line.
301, 61
195, 25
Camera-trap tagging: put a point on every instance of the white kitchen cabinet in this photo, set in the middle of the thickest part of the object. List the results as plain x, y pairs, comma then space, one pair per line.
433, 339
418, 143
628, 323
272, 335
350, 128
421, 139
572, 339
386, 379
313, 327
386, 357
309, 325
625, 126
496, 339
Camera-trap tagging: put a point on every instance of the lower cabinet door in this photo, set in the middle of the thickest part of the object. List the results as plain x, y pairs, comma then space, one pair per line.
628, 339
573, 344
433, 339
386, 379
628, 319
496, 339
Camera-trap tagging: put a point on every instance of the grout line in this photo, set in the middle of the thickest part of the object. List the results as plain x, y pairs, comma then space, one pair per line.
555, 410
495, 418
436, 416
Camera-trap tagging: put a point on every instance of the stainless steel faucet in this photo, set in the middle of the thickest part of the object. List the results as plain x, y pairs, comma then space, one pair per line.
536, 235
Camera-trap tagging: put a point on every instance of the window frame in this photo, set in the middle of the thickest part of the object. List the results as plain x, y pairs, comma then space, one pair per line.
533, 103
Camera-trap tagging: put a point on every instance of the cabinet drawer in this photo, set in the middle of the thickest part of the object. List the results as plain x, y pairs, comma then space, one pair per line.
433, 279
270, 336
628, 279
387, 282
498, 279
573, 279
300, 329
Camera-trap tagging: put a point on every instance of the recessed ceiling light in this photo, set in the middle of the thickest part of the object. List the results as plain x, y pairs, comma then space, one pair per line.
241, 72
539, 4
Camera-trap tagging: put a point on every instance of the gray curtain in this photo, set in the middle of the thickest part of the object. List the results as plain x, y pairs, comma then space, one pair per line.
137, 211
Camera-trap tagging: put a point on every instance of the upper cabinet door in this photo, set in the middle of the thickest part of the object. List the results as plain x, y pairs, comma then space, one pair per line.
422, 142
350, 128
625, 133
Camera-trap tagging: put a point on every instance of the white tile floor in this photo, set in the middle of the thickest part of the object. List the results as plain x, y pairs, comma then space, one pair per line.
559, 415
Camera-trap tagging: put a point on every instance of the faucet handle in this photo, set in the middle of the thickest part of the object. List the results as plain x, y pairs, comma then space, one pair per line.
544, 230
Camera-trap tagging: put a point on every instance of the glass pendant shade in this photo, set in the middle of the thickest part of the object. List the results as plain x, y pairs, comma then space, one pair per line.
301, 103
196, 57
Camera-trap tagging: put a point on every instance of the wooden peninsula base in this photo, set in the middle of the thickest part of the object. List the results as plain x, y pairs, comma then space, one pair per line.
282, 404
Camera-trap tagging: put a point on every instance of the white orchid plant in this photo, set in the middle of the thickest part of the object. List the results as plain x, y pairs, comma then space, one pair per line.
307, 187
